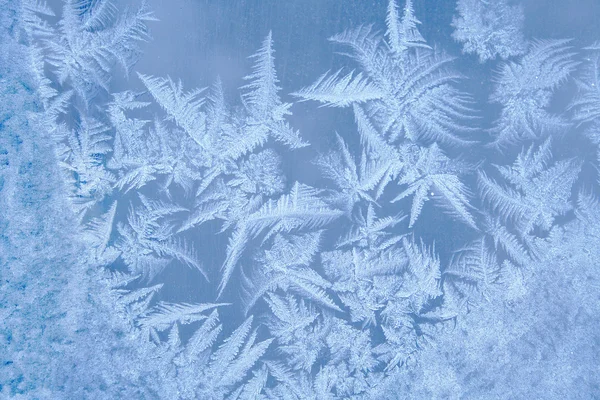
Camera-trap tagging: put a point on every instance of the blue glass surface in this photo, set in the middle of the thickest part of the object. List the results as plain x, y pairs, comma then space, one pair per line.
303, 199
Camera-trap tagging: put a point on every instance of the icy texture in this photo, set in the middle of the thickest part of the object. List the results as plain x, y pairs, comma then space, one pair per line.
162, 242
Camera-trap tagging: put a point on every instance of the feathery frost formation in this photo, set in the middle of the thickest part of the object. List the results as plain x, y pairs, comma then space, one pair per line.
168, 255
490, 29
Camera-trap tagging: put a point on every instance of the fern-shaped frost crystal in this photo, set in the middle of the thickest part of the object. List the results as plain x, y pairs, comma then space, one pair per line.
404, 86
92, 38
435, 176
490, 29
525, 91
302, 208
538, 193
260, 95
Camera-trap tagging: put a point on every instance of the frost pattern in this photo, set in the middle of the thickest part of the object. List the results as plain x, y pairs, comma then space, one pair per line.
490, 29
350, 286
